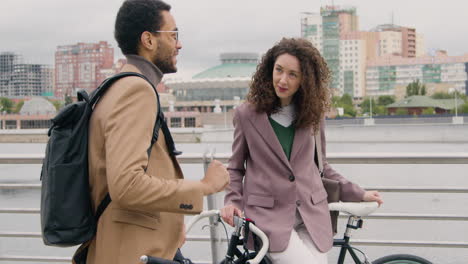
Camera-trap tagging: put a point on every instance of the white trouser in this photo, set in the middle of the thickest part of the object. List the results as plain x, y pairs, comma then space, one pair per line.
301, 248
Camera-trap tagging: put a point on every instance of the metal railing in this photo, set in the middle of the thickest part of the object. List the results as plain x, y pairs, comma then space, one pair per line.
341, 158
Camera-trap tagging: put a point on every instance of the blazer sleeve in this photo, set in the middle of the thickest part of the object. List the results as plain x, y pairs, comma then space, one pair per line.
236, 166
350, 192
128, 132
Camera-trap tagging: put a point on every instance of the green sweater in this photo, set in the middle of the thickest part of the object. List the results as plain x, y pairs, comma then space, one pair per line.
285, 136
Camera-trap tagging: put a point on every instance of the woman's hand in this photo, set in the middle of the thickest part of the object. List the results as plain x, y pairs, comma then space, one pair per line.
228, 212
372, 196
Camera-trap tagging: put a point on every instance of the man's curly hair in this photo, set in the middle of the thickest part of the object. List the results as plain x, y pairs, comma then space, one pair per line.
311, 100
134, 18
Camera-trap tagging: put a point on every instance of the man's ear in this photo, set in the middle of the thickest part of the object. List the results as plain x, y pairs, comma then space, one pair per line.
148, 41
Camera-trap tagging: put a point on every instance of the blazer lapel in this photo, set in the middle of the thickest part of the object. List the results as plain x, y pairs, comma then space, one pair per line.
262, 125
300, 138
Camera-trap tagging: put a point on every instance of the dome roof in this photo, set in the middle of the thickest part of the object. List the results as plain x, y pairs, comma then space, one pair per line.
38, 106
234, 65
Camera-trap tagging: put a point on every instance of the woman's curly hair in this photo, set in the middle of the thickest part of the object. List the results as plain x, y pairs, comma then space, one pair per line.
311, 100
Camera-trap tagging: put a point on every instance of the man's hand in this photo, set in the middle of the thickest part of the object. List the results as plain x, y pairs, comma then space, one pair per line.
216, 178
228, 212
372, 196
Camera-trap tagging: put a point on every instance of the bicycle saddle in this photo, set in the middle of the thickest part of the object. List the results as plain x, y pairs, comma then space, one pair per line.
356, 209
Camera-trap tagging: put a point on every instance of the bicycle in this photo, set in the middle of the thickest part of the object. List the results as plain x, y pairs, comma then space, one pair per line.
234, 255
356, 211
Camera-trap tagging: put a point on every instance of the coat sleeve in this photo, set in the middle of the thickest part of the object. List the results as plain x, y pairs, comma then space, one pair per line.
128, 132
236, 166
350, 192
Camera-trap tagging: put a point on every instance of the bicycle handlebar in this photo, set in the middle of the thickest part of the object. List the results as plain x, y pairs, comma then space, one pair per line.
238, 223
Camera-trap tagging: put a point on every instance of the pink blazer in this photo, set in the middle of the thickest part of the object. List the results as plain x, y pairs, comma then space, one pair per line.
269, 188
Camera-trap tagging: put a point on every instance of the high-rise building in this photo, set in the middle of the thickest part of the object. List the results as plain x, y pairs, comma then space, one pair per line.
82, 66
385, 74
399, 41
420, 45
333, 32
19, 79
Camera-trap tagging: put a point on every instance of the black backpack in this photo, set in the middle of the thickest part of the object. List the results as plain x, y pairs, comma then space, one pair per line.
67, 215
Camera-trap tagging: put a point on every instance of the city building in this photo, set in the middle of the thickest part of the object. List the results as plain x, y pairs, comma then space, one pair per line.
19, 79
227, 82
399, 41
385, 74
36, 113
335, 33
415, 105
210, 95
347, 50
82, 66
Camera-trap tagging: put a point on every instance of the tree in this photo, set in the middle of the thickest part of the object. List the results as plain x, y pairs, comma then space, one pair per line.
6, 105
349, 111
345, 102
441, 95
346, 99
68, 100
58, 104
428, 111
380, 110
462, 109
18, 106
365, 105
401, 111
415, 88
335, 101
385, 100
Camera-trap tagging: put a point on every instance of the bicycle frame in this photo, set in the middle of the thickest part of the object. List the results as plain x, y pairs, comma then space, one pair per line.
354, 222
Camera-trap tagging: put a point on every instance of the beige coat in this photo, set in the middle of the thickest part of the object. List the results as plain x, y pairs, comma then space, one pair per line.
146, 212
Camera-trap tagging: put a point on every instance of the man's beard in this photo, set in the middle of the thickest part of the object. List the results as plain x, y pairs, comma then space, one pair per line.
164, 63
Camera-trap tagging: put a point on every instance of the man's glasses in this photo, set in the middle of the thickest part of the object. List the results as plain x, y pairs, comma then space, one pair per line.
176, 36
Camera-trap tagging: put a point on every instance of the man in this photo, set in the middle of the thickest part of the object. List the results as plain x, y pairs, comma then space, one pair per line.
148, 192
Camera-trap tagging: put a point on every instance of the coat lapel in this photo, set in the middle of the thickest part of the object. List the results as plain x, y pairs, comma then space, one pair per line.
300, 138
262, 125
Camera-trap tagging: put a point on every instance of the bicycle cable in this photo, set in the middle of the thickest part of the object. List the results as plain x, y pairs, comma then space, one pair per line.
366, 259
225, 229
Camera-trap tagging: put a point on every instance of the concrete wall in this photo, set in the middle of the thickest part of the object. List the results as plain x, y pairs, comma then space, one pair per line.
444, 133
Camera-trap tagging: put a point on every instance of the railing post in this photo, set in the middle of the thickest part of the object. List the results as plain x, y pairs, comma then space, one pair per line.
215, 239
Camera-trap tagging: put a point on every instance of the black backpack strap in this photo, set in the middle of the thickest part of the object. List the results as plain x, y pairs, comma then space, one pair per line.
102, 206
99, 92
168, 138
157, 125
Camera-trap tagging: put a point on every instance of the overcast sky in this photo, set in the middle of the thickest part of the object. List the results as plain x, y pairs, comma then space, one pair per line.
34, 28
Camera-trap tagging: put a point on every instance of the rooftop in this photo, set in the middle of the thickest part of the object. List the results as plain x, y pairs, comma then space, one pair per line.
425, 101
38, 106
234, 65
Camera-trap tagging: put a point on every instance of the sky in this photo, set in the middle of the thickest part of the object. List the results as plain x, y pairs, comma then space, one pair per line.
34, 28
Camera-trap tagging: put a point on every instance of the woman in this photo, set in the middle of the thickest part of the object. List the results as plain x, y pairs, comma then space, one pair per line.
274, 178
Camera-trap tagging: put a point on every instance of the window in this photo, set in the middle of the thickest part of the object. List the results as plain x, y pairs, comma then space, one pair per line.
189, 122
10, 124
176, 122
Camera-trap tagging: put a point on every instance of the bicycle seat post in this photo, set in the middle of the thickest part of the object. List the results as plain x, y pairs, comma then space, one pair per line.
354, 222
